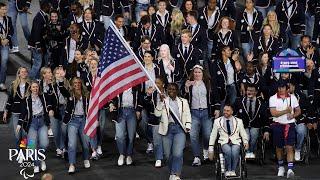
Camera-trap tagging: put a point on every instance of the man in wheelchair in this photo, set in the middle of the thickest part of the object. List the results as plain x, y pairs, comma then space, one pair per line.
253, 112
231, 132
284, 108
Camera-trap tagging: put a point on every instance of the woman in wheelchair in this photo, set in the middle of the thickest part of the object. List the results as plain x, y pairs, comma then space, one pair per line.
231, 132
252, 110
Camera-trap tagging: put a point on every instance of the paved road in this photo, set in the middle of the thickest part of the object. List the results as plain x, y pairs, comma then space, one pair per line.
106, 167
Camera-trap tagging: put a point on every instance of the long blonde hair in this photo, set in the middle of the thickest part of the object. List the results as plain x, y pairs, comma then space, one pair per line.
165, 46
275, 25
17, 81
84, 92
177, 25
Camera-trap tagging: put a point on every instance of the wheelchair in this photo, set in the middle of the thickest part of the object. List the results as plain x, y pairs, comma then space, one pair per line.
261, 149
306, 149
220, 164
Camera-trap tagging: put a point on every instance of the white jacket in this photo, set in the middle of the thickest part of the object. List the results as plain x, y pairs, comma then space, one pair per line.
238, 132
162, 110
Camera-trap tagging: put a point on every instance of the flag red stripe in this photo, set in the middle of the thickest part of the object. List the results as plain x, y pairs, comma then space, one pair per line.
90, 123
123, 88
119, 68
120, 78
106, 77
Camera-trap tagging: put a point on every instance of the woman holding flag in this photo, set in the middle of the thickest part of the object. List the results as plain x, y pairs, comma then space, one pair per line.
175, 122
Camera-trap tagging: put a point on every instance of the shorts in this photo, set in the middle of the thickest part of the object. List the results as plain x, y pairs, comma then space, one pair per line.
283, 136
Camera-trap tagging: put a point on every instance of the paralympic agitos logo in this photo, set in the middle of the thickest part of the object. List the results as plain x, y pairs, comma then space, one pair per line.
26, 158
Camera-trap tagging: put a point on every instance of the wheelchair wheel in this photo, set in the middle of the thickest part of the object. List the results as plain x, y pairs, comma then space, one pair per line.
308, 149
260, 155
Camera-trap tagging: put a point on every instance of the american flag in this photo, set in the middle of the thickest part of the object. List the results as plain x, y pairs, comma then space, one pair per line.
118, 70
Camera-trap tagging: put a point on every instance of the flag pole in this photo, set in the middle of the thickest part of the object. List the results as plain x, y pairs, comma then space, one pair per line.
137, 60
134, 54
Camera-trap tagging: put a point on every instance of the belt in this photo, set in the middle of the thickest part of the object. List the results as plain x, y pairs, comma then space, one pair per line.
37, 116
126, 107
200, 109
78, 116
230, 84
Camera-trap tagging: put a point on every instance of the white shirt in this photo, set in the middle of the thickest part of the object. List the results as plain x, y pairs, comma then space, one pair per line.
127, 98
289, 8
143, 1
37, 107
230, 72
199, 96
212, 18
281, 104
250, 17
152, 74
78, 110
72, 50
167, 70
22, 89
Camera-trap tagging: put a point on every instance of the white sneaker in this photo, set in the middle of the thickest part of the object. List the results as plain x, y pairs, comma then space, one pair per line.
252, 155
86, 164
172, 177
99, 150
137, 136
129, 160
3, 86
205, 154
14, 49
36, 169
121, 160
228, 173
247, 155
297, 155
177, 177
158, 164
50, 133
281, 171
71, 169
290, 174
94, 155
59, 152
196, 162
150, 148
43, 166
233, 173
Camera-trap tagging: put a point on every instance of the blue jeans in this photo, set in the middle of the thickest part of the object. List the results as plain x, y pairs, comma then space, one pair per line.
157, 143
37, 62
140, 7
293, 38
106, 21
145, 127
97, 140
13, 13
13, 124
309, 24
4, 62
75, 128
247, 48
55, 125
200, 122
264, 11
230, 97
38, 135
253, 134
173, 145
301, 130
231, 155
126, 128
